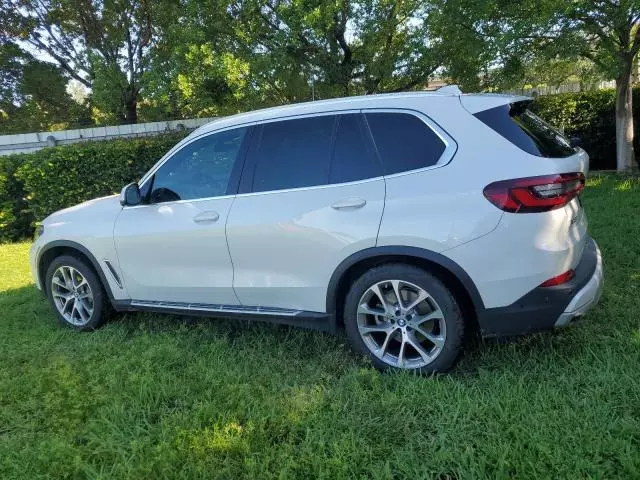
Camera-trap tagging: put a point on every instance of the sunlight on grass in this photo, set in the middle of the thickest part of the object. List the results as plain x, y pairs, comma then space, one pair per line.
594, 181
303, 400
624, 186
14, 266
211, 439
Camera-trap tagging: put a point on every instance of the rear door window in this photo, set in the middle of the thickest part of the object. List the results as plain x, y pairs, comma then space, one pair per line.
526, 130
404, 142
294, 153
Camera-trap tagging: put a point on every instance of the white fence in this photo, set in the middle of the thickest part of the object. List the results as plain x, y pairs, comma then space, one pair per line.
30, 142
571, 87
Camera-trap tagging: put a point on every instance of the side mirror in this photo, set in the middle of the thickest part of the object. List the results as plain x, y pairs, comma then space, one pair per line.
130, 195
575, 142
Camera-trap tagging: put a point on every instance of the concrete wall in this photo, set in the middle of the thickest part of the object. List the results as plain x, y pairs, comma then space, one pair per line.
30, 142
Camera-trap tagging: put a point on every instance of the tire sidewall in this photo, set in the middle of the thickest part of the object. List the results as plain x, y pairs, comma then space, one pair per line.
447, 303
97, 317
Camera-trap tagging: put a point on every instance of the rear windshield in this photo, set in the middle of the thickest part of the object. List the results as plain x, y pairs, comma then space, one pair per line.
526, 130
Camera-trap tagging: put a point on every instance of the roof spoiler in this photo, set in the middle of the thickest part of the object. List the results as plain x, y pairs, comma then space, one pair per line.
475, 103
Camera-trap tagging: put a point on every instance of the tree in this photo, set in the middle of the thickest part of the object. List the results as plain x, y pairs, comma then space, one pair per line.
102, 44
33, 94
501, 34
342, 47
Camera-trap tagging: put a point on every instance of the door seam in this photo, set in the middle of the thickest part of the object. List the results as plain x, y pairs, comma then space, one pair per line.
226, 239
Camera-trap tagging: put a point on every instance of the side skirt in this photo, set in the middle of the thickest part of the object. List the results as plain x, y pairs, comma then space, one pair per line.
324, 322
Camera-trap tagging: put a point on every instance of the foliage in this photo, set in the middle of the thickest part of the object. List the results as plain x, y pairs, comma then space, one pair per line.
15, 216
33, 94
153, 396
104, 45
506, 37
256, 53
33, 185
591, 117
183, 58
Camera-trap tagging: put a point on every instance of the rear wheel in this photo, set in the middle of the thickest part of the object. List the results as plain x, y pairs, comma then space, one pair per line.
402, 317
75, 293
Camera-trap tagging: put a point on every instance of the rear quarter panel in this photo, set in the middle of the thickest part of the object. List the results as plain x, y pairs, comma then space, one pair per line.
443, 209
440, 207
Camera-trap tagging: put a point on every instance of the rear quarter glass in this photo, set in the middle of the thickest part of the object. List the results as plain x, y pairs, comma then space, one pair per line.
526, 130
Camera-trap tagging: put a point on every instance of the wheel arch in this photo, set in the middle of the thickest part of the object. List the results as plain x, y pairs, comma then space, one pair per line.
448, 271
54, 249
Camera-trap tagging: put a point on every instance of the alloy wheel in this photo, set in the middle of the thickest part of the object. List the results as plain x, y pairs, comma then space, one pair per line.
72, 295
401, 324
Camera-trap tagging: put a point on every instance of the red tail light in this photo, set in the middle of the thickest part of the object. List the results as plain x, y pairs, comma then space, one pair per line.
558, 280
535, 194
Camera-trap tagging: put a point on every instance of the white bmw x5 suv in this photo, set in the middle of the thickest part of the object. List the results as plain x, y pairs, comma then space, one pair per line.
405, 218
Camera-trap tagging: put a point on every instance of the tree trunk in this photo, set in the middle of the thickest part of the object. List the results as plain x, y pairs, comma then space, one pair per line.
130, 108
625, 157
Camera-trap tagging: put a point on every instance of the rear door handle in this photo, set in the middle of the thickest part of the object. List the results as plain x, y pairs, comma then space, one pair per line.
349, 204
206, 217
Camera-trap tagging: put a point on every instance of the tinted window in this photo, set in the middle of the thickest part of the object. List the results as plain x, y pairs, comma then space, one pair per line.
352, 158
202, 169
294, 153
404, 142
526, 130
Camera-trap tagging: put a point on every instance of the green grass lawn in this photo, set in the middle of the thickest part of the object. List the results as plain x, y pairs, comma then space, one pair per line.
152, 396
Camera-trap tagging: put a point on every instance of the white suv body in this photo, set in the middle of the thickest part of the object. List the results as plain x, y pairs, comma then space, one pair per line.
279, 213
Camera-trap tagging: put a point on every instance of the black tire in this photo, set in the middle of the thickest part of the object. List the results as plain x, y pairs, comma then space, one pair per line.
100, 305
452, 314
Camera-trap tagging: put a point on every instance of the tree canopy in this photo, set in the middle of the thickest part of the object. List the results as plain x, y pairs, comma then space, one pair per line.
161, 59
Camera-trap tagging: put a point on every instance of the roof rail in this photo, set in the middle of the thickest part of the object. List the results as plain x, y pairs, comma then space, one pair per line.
454, 89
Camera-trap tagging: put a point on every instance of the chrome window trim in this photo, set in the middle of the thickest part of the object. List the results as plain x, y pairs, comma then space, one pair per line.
188, 140
177, 202
298, 116
449, 152
313, 187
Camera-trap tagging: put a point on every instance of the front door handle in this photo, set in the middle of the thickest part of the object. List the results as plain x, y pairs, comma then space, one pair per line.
349, 204
206, 217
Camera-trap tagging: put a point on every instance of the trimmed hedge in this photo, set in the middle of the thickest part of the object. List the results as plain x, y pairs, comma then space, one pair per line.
15, 217
33, 185
590, 116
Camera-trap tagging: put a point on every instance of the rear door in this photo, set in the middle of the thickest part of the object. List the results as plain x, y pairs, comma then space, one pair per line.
311, 194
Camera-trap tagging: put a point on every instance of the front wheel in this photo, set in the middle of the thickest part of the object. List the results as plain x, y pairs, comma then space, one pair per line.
402, 317
75, 293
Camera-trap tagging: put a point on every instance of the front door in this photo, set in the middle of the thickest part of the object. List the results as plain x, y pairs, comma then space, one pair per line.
172, 248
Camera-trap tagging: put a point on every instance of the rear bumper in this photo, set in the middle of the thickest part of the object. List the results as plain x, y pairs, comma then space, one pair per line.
546, 308
587, 297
